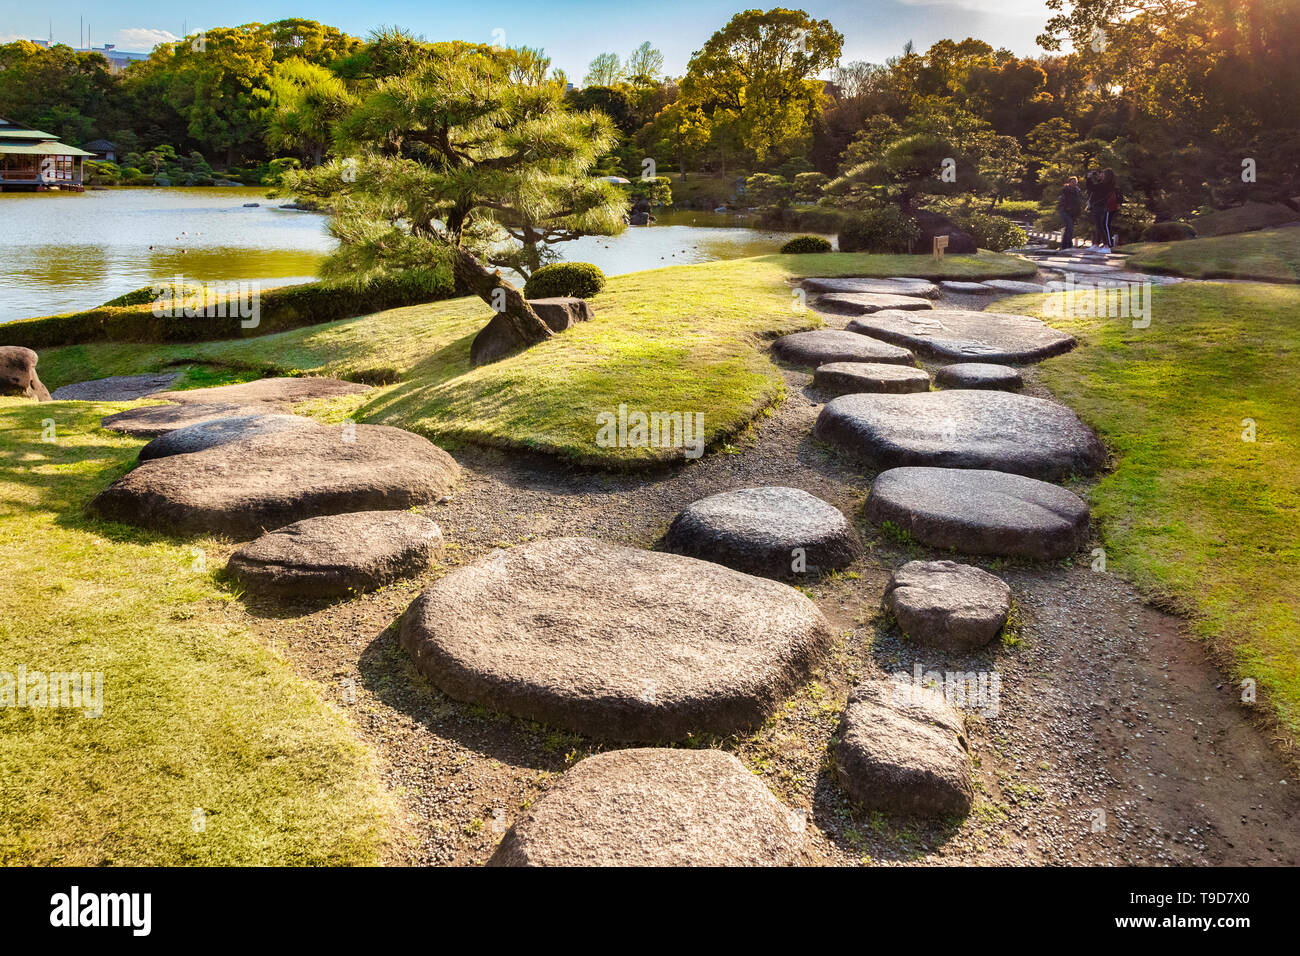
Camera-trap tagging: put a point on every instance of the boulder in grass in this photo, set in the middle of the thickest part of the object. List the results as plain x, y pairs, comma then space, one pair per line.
945, 604
219, 431
902, 749
848, 378
497, 339
980, 512
336, 555
772, 531
655, 807
614, 642
150, 421
246, 487
279, 390
18, 374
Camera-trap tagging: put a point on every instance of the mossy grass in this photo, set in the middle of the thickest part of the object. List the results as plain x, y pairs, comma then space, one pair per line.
1269, 255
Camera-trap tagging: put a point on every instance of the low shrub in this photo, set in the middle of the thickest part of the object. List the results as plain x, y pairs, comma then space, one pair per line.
804, 244
1170, 231
884, 230
279, 309
580, 279
993, 232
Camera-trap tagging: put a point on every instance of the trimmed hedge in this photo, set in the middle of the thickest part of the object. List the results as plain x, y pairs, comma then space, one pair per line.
1168, 231
580, 279
280, 309
800, 245
884, 230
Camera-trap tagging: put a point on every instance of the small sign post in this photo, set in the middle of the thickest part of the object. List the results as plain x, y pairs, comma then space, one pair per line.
940, 244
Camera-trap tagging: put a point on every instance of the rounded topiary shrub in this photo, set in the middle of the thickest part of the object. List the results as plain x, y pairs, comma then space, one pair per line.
879, 230
579, 279
804, 244
1168, 232
995, 232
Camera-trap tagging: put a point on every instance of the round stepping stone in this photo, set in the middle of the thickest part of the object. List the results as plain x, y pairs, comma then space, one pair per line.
949, 605
1002, 378
864, 303
267, 390
977, 288
902, 749
338, 554
776, 532
117, 388
615, 642
818, 347
1014, 286
655, 807
980, 512
912, 287
847, 378
218, 431
256, 484
959, 335
962, 428
150, 421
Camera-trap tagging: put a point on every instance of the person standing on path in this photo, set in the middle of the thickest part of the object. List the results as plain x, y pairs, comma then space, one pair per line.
1100, 184
1068, 206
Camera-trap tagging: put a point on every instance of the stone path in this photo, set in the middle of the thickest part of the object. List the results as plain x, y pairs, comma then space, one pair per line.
812, 349
619, 643
909, 287
656, 807
979, 375
961, 336
946, 604
116, 388
864, 303
845, 378
980, 512
213, 432
266, 481
150, 421
336, 555
299, 389
772, 531
962, 428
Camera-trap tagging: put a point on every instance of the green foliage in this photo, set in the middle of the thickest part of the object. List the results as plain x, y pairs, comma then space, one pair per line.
808, 186
766, 191
1168, 231
993, 232
886, 229
580, 279
800, 245
657, 189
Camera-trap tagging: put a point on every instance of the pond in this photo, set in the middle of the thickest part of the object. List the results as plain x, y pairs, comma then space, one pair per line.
60, 252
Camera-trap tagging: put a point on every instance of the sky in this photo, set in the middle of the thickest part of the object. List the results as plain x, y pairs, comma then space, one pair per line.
571, 31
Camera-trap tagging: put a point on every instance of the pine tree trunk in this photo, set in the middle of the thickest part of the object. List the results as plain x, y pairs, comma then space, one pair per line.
509, 304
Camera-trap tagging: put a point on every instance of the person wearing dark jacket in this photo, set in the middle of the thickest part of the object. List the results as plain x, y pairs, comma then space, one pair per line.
1068, 206
1103, 203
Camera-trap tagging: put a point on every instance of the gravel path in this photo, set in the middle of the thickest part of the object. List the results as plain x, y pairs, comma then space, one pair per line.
1116, 741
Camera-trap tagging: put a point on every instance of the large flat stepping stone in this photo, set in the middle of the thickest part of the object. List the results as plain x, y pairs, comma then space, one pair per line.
775, 532
219, 431
945, 604
615, 642
1014, 286
820, 346
959, 335
988, 375
902, 749
980, 512
655, 807
969, 288
338, 554
899, 286
1083, 268
847, 378
116, 388
263, 482
962, 428
150, 421
267, 390
864, 303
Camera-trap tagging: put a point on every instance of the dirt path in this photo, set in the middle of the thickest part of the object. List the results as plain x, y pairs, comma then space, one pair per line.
1115, 742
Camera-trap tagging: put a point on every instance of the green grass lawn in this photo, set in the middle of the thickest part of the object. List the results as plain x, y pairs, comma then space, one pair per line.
681, 339
1270, 255
196, 714
1192, 513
